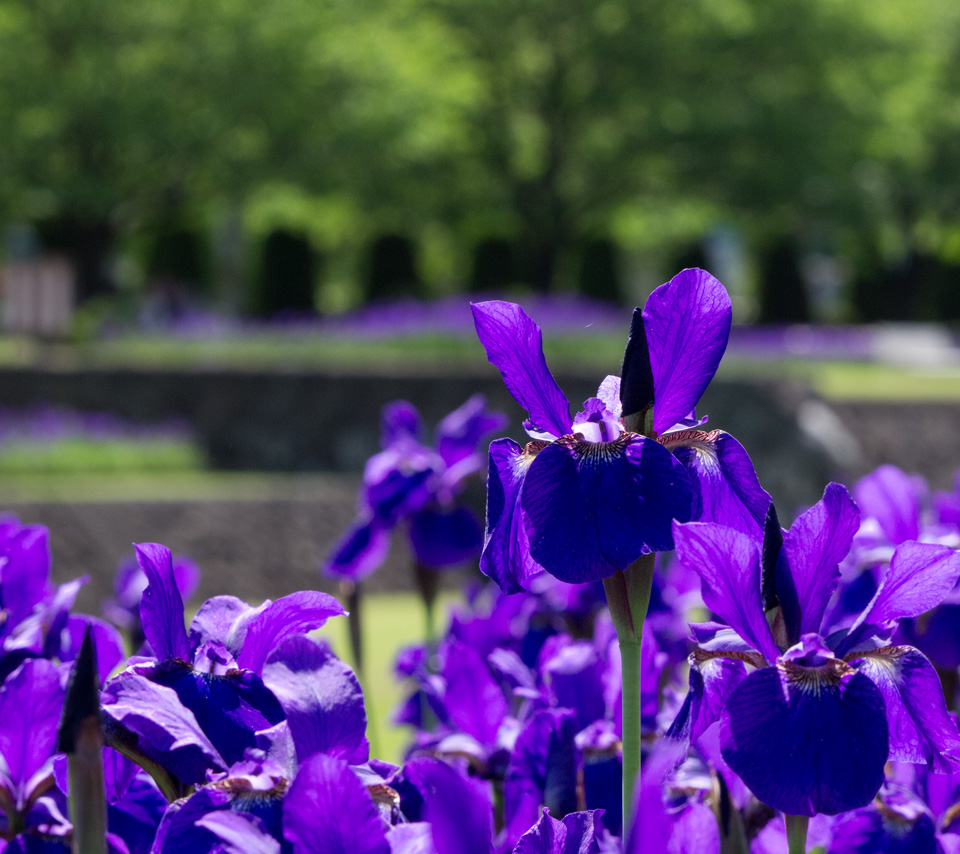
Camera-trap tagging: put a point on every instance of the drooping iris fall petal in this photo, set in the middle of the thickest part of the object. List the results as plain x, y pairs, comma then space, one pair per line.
592, 508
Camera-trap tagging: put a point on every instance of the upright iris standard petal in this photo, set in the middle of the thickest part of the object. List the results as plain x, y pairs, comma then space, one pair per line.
506, 554
807, 740
399, 422
460, 432
288, 616
30, 703
322, 700
459, 809
893, 498
514, 344
726, 489
728, 563
216, 620
921, 728
474, 702
161, 608
687, 323
328, 810
25, 572
807, 569
542, 771
593, 508
919, 577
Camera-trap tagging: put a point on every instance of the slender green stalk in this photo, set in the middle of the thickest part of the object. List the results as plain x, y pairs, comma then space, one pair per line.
630, 659
628, 595
796, 833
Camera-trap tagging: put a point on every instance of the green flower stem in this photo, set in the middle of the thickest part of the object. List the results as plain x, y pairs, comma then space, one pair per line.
796, 833
628, 595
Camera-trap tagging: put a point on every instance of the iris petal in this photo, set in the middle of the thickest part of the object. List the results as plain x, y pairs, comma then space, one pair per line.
687, 322
161, 608
593, 508
725, 486
919, 577
893, 498
328, 810
321, 698
514, 344
807, 740
728, 563
921, 728
807, 569
506, 553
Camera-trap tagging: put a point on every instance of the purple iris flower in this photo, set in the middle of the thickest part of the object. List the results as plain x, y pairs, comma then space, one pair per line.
202, 702
809, 730
35, 615
588, 496
411, 482
896, 508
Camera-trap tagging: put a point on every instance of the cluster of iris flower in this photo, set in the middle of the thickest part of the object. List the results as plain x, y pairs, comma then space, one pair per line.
780, 687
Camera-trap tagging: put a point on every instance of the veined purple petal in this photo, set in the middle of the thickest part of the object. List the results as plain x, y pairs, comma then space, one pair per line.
24, 568
725, 486
728, 563
459, 809
514, 345
695, 831
652, 825
921, 728
30, 703
712, 679
473, 699
807, 740
231, 707
445, 537
239, 834
573, 672
399, 422
542, 771
594, 508
328, 810
506, 552
576, 834
414, 837
893, 498
217, 619
687, 323
360, 551
807, 569
919, 577
288, 616
161, 608
321, 698
460, 433
166, 731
